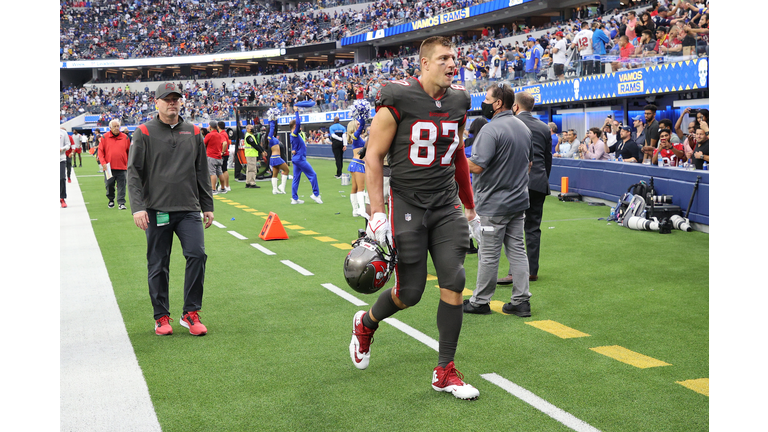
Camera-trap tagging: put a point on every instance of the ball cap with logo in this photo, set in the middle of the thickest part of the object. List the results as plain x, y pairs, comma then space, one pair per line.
164, 90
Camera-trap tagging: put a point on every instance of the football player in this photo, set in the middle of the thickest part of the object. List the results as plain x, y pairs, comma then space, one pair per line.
419, 125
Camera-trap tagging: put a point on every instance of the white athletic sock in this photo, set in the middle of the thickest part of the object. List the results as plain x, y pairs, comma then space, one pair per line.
361, 202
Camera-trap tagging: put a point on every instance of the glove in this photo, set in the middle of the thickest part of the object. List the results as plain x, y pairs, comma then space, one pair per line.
474, 229
379, 229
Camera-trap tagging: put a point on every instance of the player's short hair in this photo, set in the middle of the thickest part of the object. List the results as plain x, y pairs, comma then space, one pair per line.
502, 90
667, 131
650, 107
221, 125
597, 131
428, 45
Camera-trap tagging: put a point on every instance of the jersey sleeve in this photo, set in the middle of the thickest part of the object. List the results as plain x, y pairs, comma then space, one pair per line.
385, 98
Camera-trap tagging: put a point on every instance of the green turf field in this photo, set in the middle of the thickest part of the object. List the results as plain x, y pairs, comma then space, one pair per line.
276, 354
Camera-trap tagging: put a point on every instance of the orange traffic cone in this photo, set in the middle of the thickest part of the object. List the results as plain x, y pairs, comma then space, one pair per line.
273, 229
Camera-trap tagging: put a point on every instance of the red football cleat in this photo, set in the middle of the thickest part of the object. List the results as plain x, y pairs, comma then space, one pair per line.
360, 346
449, 380
191, 321
162, 327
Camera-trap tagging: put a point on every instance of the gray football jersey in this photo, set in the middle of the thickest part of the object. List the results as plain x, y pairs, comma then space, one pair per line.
427, 139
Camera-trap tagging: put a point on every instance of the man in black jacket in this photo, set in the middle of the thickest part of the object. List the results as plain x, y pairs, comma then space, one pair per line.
169, 186
538, 181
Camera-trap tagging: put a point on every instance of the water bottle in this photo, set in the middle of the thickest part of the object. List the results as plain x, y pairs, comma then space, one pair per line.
660, 162
705, 167
620, 159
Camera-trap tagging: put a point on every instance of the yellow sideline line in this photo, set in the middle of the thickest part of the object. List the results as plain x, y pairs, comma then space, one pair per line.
557, 329
700, 385
629, 357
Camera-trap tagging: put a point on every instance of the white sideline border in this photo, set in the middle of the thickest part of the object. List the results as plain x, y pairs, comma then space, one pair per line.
526, 396
101, 384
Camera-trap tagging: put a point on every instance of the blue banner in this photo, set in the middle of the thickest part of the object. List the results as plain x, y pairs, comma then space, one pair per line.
435, 20
664, 78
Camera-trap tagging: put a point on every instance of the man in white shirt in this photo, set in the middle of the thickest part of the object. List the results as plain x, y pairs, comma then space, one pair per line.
494, 69
583, 42
558, 56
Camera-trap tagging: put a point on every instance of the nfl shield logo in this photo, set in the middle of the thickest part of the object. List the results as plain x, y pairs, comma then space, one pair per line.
407, 217
438, 104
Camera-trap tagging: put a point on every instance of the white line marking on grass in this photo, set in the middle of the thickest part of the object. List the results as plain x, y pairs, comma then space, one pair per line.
297, 267
540, 404
262, 248
218, 224
240, 236
403, 327
343, 294
412, 332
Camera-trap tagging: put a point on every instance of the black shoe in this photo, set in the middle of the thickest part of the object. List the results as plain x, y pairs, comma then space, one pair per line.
256, 186
481, 309
506, 280
111, 204
472, 250
522, 310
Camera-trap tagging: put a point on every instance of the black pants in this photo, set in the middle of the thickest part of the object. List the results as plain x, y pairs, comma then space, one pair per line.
69, 168
533, 229
338, 154
118, 177
63, 180
188, 227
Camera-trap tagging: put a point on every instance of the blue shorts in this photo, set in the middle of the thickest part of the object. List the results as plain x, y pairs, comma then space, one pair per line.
357, 165
276, 161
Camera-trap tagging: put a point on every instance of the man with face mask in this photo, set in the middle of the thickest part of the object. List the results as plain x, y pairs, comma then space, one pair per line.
500, 161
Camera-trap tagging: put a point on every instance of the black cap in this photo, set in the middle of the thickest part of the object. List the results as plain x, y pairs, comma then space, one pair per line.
165, 89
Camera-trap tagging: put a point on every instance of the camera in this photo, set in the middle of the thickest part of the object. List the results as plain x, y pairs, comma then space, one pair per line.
681, 223
641, 224
693, 111
661, 199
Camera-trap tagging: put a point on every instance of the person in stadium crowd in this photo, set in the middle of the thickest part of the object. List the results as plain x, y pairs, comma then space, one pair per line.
569, 146
169, 187
583, 42
500, 161
553, 134
669, 152
214, 144
226, 142
64, 145
300, 164
593, 148
425, 207
652, 132
559, 56
625, 147
113, 157
667, 124
701, 152
357, 168
639, 134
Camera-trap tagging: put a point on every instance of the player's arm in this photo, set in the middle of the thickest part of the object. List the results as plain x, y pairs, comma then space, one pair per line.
383, 129
462, 173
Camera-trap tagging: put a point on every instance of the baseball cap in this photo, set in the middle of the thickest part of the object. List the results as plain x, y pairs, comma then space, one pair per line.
165, 89
531, 39
627, 128
638, 118
559, 34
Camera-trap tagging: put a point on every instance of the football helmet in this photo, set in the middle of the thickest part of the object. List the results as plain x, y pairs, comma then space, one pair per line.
368, 265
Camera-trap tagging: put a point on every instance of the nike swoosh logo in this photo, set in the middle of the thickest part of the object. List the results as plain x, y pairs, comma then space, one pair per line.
457, 206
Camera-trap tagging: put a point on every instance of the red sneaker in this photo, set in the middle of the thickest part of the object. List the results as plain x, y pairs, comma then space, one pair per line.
449, 380
162, 327
360, 347
191, 321
63, 203
69, 180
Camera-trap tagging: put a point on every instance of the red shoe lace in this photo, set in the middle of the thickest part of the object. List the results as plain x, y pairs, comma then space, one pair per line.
193, 317
451, 376
164, 320
364, 336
